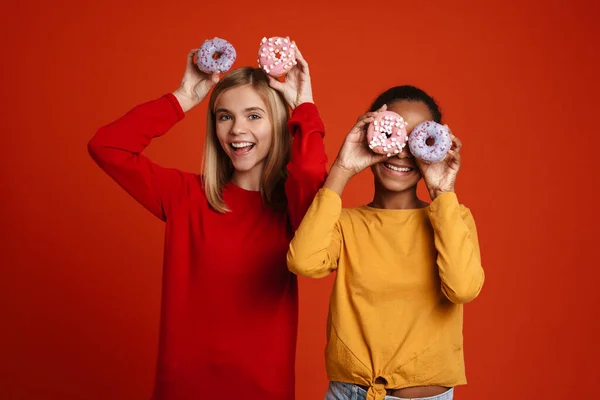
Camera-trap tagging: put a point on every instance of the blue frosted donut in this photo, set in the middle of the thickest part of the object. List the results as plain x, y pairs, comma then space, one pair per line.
429, 141
215, 54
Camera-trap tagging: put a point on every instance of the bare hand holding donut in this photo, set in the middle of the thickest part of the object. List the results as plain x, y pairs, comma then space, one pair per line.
296, 88
195, 84
355, 155
440, 177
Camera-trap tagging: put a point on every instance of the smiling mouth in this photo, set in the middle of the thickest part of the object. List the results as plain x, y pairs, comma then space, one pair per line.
241, 148
397, 169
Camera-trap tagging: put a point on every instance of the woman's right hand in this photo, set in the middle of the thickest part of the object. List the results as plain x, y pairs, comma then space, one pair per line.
195, 84
355, 155
296, 88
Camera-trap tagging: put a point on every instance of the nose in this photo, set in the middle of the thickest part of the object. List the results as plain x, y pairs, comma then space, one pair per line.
238, 127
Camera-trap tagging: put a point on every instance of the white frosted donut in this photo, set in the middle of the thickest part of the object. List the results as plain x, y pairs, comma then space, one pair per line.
215, 54
386, 134
276, 55
429, 141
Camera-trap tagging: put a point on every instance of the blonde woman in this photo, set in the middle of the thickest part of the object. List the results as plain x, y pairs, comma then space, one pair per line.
229, 304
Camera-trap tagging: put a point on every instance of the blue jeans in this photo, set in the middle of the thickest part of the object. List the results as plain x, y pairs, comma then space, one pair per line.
348, 391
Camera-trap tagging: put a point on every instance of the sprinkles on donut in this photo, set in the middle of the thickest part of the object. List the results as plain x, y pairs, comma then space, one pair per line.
430, 141
276, 55
386, 134
215, 54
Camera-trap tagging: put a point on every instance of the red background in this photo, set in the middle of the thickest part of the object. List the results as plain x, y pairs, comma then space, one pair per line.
81, 261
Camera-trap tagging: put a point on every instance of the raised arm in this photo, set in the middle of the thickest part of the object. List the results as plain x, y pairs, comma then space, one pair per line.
117, 147
455, 235
307, 168
315, 248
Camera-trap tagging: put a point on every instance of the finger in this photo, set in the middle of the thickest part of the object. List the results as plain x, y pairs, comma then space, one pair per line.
456, 142
377, 112
371, 114
190, 56
212, 80
454, 157
300, 58
363, 121
275, 84
192, 53
354, 136
215, 76
298, 53
358, 132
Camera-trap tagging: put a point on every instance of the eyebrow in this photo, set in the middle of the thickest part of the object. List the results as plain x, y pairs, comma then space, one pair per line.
246, 110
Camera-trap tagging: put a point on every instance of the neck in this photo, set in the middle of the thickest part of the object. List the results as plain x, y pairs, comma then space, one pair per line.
248, 180
404, 200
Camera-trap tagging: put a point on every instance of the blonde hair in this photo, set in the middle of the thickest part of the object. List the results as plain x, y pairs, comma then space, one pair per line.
217, 168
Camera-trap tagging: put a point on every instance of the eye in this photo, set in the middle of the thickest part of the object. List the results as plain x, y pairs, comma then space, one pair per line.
223, 117
254, 116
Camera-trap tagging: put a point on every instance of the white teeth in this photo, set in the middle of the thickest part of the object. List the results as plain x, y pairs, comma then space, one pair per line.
241, 145
401, 169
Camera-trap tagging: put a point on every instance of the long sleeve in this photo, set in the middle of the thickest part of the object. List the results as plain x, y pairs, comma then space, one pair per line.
117, 149
459, 260
315, 249
307, 168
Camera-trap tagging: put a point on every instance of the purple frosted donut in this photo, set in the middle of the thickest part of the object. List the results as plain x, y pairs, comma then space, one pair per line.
215, 54
429, 141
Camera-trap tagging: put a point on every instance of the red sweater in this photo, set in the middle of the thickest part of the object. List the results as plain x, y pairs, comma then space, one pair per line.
229, 304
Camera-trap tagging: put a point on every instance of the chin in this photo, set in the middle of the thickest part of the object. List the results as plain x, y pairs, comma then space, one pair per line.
395, 186
244, 166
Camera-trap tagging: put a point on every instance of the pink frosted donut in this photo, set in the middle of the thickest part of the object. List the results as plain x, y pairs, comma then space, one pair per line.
215, 54
276, 55
387, 133
429, 141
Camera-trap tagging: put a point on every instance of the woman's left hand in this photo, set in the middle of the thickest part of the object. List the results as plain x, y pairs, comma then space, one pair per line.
440, 177
296, 88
